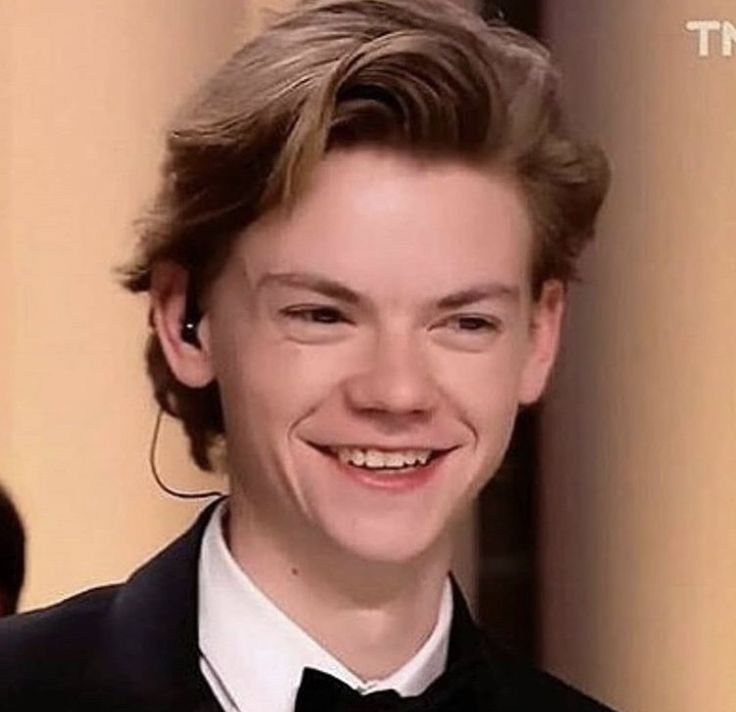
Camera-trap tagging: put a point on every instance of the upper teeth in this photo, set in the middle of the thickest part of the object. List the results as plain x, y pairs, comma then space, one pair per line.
381, 458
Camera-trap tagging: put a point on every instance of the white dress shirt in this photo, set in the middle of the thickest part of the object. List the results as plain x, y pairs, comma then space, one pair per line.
252, 654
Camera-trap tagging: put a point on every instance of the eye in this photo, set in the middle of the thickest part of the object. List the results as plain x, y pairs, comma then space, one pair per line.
314, 323
474, 324
315, 315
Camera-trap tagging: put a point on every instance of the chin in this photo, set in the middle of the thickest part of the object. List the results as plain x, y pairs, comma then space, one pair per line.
380, 541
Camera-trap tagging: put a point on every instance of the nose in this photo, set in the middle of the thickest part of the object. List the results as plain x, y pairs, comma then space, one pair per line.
395, 379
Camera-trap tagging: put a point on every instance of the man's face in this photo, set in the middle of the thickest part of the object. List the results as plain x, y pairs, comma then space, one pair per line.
386, 320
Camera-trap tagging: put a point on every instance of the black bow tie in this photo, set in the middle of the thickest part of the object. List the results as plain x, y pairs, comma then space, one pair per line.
320, 692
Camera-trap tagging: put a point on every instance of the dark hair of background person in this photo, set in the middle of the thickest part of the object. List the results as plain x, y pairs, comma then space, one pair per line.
431, 79
12, 555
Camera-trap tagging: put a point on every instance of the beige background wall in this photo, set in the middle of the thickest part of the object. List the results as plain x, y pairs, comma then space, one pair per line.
639, 501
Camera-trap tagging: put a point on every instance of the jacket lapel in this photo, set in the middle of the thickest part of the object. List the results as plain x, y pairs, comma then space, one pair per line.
151, 652
468, 658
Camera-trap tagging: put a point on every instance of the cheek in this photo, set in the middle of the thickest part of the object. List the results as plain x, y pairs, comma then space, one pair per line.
483, 392
269, 384
483, 383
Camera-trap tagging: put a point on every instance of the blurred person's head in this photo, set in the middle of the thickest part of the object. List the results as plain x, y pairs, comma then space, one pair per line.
12, 555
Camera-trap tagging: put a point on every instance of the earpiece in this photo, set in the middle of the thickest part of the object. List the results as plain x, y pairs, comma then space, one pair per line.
192, 317
157, 477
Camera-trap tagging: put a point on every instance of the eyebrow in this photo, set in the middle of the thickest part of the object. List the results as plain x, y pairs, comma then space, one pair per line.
337, 290
479, 293
313, 282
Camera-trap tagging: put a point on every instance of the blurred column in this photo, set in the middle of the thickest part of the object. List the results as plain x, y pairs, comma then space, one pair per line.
87, 88
638, 505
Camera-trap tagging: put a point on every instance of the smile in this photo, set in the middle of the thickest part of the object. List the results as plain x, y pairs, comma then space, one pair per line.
382, 460
374, 459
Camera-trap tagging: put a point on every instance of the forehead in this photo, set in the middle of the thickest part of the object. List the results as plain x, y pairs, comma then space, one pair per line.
382, 221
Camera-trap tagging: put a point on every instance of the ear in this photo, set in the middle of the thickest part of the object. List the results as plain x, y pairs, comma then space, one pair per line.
192, 365
544, 338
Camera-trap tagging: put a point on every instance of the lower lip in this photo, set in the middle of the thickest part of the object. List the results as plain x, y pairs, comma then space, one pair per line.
402, 481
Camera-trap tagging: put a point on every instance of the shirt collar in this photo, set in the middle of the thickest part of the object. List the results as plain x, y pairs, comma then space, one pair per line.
253, 654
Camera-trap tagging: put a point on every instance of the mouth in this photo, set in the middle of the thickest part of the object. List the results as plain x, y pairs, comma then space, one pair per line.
386, 468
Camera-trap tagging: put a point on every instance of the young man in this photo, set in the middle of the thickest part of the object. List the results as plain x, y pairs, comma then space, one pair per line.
357, 267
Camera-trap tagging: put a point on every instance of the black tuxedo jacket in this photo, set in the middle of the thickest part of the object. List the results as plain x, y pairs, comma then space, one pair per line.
133, 647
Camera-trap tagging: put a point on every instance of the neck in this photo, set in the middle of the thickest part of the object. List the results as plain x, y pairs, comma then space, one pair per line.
372, 616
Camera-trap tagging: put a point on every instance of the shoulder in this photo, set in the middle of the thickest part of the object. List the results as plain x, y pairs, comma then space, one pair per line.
52, 645
114, 648
519, 687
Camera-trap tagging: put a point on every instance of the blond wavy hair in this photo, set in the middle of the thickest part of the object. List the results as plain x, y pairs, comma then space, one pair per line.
429, 78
